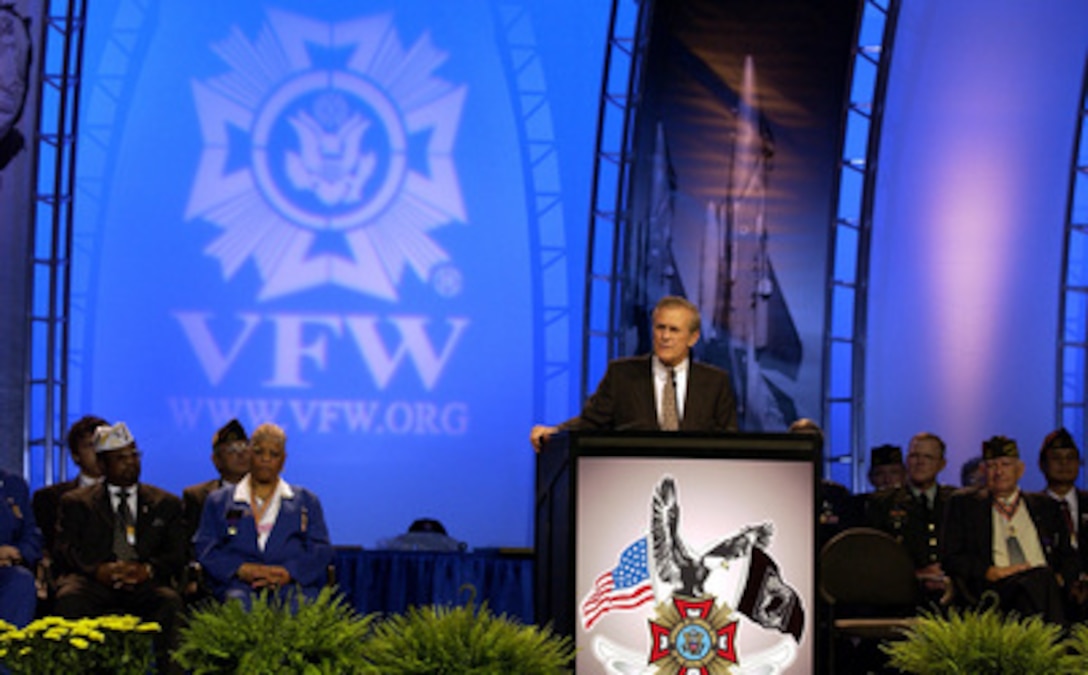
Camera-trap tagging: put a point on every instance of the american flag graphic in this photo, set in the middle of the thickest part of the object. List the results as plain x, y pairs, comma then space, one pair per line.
625, 586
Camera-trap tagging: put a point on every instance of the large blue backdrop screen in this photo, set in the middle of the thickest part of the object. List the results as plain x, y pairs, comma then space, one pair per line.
327, 215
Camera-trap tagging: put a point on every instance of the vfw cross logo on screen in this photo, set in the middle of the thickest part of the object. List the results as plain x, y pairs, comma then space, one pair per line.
327, 161
328, 152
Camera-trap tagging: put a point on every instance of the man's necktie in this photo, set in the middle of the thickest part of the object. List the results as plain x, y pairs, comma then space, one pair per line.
1067, 518
670, 417
122, 547
1016, 554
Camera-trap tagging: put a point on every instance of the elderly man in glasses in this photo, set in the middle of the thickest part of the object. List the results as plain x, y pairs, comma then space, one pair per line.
1002, 539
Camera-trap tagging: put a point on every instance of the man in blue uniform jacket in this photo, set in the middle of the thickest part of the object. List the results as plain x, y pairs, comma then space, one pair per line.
20, 550
263, 532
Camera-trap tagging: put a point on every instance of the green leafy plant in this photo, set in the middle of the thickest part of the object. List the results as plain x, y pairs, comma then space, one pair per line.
464, 640
1077, 645
981, 641
99, 645
323, 636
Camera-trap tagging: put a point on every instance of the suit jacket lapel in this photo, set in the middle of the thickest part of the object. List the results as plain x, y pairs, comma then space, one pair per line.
281, 528
986, 532
1082, 519
1039, 516
246, 524
690, 402
144, 515
647, 400
102, 504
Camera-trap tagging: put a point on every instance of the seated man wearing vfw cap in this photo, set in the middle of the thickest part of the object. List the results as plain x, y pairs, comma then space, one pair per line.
232, 458
123, 543
1001, 539
1059, 460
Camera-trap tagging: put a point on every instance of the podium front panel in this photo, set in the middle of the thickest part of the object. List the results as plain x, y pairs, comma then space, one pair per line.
721, 570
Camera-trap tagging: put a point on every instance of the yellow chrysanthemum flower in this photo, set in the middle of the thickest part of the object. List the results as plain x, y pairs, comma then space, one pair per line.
79, 643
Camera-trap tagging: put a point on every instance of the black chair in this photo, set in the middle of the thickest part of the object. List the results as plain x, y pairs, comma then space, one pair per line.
871, 593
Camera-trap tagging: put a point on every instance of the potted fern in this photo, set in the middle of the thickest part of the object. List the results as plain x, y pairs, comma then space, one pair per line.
1077, 644
320, 637
455, 640
326, 636
984, 641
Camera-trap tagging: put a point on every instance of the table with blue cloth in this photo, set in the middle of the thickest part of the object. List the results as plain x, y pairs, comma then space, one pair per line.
392, 581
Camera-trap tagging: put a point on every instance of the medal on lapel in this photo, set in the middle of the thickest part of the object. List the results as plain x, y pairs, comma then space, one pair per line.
233, 516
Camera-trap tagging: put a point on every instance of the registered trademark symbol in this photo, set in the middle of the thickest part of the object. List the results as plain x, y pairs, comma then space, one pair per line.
447, 281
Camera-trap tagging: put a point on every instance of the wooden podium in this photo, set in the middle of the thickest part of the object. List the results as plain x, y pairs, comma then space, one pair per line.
595, 494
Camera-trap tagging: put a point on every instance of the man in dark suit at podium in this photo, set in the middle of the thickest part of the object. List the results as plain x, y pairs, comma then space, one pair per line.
666, 390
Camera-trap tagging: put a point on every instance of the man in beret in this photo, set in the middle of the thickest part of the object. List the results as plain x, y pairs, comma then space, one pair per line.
123, 544
1002, 539
1059, 460
912, 513
886, 468
20, 549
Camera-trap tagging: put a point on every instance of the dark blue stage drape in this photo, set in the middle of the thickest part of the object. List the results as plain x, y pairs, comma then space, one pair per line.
392, 581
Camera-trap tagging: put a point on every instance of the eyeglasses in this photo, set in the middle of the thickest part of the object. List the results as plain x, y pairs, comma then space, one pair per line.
235, 448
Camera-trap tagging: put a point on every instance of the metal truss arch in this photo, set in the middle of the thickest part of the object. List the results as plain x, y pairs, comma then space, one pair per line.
848, 281
1072, 382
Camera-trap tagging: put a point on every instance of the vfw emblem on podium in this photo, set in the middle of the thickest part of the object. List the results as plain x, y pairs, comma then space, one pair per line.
693, 636
697, 598
327, 156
